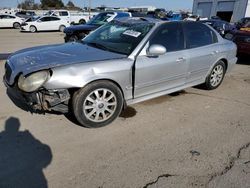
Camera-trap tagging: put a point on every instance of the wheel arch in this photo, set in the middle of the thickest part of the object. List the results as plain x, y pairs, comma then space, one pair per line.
33, 26
82, 20
219, 59
226, 63
62, 25
72, 90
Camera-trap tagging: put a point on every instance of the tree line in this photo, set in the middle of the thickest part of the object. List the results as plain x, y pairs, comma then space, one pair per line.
46, 4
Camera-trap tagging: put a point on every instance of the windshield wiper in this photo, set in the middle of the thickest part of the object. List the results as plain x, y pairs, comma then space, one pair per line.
98, 45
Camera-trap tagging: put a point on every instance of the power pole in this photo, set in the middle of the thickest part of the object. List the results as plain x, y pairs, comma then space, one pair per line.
89, 8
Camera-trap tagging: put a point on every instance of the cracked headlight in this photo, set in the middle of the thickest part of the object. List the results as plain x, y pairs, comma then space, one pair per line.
33, 81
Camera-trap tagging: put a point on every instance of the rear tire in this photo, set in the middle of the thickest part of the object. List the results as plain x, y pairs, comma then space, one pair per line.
97, 104
216, 76
61, 28
33, 29
16, 25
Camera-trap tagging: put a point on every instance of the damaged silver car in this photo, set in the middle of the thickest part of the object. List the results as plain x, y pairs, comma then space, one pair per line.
123, 62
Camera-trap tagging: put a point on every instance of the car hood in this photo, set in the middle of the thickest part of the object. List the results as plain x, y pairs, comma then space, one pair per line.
45, 57
85, 27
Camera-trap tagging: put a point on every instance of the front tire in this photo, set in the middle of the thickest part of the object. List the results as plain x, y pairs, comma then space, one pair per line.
216, 76
33, 29
73, 38
97, 104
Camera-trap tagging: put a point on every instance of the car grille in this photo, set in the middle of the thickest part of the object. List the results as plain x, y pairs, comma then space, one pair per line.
8, 72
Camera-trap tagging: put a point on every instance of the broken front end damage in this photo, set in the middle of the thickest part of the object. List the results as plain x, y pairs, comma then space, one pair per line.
41, 101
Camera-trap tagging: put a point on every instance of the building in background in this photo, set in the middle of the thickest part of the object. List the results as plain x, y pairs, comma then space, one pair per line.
142, 8
228, 10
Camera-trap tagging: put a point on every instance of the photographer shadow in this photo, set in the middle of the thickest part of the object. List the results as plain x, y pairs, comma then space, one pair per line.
22, 157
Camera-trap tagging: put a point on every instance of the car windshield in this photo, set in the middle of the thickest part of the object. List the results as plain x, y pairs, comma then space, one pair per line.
32, 19
118, 37
48, 13
100, 19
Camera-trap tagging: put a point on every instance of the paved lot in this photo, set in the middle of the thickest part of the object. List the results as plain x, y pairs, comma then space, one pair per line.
195, 138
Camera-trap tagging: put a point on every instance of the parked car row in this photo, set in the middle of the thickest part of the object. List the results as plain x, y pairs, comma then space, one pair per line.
23, 17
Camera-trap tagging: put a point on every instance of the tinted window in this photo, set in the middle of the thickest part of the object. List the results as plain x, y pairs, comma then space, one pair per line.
64, 13
101, 18
121, 15
198, 34
54, 19
45, 19
169, 35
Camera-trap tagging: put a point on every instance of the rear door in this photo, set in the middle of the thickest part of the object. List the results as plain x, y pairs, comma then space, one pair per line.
43, 24
3, 21
167, 71
203, 50
6, 21
55, 23
48, 23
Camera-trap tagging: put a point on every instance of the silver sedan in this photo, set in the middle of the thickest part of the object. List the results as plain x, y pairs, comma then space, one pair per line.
123, 62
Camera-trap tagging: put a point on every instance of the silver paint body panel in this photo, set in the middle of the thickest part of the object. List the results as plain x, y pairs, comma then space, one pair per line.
153, 76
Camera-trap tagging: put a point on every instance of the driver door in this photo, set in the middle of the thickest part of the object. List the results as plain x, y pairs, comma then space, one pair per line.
163, 72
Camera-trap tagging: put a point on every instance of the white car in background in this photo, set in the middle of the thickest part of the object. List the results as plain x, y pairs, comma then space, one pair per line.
73, 18
7, 20
45, 23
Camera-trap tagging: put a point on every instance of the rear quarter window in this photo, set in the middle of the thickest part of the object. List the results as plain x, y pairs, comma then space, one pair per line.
63, 13
198, 35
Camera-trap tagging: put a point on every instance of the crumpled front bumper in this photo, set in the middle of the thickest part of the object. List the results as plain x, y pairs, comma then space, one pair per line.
41, 101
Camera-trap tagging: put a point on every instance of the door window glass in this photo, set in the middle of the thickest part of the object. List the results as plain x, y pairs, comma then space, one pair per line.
170, 36
54, 19
45, 19
63, 13
198, 34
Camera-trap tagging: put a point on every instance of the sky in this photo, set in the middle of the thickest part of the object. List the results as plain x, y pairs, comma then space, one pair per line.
168, 4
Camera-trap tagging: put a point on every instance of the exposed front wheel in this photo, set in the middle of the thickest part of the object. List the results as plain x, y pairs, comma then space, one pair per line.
97, 104
32, 29
216, 76
73, 38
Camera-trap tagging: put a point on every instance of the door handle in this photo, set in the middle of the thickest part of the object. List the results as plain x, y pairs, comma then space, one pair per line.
180, 59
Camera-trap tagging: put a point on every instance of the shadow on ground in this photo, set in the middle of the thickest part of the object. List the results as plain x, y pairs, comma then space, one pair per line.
22, 157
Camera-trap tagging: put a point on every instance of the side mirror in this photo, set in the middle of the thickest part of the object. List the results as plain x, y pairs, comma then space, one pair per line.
156, 50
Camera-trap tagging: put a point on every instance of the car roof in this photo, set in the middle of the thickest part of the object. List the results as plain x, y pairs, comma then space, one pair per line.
214, 20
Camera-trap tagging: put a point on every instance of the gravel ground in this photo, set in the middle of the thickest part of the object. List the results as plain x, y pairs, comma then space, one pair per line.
193, 138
